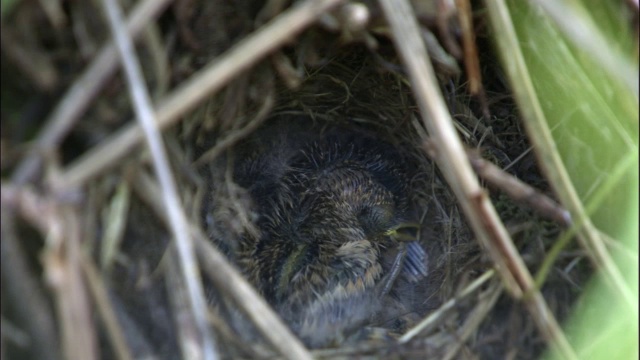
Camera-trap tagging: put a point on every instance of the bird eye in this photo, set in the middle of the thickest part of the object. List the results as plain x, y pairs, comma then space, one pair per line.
376, 219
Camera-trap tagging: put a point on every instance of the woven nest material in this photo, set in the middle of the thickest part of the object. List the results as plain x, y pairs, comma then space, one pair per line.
329, 88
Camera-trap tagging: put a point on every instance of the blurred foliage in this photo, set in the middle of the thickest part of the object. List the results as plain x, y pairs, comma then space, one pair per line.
6, 6
594, 121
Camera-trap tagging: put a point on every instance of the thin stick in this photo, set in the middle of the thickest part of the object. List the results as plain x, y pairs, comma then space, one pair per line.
203, 346
62, 266
76, 100
105, 309
519, 190
199, 87
471, 62
470, 51
452, 160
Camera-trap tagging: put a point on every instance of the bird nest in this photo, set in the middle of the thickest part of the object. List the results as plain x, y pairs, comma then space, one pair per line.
103, 276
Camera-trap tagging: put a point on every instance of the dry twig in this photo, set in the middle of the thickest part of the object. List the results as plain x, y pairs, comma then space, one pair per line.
518, 190
471, 60
105, 310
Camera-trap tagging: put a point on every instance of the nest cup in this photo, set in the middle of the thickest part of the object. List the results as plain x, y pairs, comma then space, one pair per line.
321, 80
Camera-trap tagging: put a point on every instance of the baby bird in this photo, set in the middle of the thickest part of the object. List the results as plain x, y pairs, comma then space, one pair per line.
333, 215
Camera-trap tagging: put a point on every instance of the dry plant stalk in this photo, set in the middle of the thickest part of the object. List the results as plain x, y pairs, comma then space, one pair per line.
452, 160
103, 306
200, 342
518, 190
470, 51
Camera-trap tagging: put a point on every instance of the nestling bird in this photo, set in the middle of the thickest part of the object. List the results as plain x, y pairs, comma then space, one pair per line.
334, 224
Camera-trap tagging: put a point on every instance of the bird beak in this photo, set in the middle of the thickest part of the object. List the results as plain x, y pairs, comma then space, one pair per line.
404, 232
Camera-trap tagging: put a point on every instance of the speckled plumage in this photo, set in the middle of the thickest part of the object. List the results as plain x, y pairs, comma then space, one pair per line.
327, 198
